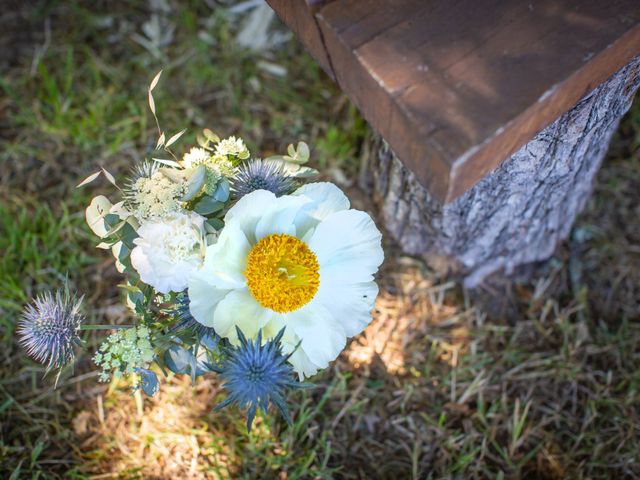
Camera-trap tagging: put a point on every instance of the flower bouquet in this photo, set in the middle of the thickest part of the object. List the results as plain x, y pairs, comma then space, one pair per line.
234, 266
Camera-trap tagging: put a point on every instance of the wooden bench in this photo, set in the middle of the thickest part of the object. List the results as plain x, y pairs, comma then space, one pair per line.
497, 113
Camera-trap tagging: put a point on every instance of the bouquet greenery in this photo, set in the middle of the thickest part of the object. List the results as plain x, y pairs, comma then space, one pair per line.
234, 266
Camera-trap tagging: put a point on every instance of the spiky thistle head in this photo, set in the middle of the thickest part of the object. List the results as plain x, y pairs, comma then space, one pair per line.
184, 320
256, 374
143, 169
49, 327
261, 175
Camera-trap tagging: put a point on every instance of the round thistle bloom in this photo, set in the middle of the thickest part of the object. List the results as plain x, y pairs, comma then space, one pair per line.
261, 175
255, 374
49, 328
167, 250
143, 169
304, 261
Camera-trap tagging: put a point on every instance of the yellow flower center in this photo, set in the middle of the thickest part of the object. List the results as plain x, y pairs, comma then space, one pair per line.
282, 273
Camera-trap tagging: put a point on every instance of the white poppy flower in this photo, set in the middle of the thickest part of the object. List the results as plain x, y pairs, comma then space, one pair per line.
303, 261
168, 249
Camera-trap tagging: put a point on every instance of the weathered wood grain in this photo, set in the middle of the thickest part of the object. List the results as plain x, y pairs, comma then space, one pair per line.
518, 213
456, 86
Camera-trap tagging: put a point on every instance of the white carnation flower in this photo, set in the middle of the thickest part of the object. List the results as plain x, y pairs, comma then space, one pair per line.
168, 250
303, 261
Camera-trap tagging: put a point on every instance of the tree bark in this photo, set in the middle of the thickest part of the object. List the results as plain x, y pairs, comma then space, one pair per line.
518, 213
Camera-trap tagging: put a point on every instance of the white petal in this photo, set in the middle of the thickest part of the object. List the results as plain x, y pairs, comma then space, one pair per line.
277, 322
299, 360
279, 216
248, 211
204, 297
226, 260
301, 363
348, 246
153, 271
322, 336
351, 303
325, 198
239, 309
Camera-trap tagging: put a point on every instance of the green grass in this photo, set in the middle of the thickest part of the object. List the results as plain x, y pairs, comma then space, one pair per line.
435, 388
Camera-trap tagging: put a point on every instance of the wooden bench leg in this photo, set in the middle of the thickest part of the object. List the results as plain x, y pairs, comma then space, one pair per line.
517, 214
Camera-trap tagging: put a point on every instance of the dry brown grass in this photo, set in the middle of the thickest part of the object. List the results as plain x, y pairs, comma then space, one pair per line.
535, 379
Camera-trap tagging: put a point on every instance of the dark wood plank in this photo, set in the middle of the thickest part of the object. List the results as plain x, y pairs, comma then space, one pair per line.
456, 86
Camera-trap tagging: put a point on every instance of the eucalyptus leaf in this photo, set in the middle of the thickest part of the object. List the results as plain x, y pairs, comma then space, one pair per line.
195, 181
134, 299
120, 267
291, 150
216, 223
148, 381
223, 191
209, 342
133, 222
303, 152
120, 210
173, 174
116, 228
202, 140
95, 215
208, 205
275, 158
120, 251
209, 135
182, 361
127, 235
305, 172
129, 288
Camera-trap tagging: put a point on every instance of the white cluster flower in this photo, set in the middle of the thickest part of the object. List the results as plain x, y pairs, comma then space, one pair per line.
156, 196
195, 157
217, 166
168, 249
123, 352
234, 147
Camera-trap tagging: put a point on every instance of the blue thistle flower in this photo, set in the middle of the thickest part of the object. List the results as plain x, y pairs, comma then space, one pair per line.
49, 328
255, 374
261, 175
185, 321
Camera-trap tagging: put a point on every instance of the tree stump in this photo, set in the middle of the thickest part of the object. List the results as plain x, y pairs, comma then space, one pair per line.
516, 214
493, 137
